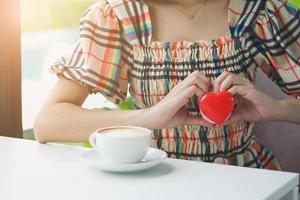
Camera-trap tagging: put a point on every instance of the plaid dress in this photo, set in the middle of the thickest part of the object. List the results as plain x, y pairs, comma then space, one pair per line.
116, 50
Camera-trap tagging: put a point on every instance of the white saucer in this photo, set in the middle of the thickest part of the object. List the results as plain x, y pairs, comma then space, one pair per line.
152, 158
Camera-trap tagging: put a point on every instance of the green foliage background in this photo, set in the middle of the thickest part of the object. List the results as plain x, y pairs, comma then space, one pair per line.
48, 14
296, 2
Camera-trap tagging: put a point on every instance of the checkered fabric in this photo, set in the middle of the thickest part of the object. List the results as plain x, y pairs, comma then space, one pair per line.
116, 49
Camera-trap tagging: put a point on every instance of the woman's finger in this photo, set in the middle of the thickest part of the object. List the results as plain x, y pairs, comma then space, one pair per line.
231, 80
239, 90
228, 82
227, 79
202, 77
219, 80
181, 98
191, 91
198, 79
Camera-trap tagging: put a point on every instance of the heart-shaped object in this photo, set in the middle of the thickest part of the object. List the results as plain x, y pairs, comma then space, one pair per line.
216, 107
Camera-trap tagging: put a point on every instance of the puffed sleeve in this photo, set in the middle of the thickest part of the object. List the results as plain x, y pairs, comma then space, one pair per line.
275, 43
98, 61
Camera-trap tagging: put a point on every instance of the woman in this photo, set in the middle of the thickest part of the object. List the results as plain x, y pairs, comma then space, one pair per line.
171, 52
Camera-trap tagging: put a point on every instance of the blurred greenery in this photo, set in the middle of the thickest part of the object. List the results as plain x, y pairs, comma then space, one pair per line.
296, 2
49, 14
127, 104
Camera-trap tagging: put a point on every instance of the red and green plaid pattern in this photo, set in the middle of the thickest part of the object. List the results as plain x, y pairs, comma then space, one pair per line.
116, 48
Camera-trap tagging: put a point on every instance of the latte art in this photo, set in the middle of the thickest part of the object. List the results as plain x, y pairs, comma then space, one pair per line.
122, 133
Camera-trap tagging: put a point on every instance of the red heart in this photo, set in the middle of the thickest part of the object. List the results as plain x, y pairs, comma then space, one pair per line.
216, 107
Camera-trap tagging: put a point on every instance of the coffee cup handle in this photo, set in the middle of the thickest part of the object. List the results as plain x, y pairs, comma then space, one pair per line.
92, 140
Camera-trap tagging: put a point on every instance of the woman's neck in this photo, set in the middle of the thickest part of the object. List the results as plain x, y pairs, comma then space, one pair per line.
181, 3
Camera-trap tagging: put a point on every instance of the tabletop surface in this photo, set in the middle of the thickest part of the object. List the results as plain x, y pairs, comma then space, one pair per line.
29, 170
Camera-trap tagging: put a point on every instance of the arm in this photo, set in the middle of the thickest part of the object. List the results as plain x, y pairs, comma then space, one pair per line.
290, 111
62, 119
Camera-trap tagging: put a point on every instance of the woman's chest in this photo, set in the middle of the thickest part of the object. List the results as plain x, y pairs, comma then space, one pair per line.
157, 68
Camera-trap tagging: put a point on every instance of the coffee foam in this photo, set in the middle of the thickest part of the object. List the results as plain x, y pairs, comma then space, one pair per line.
117, 132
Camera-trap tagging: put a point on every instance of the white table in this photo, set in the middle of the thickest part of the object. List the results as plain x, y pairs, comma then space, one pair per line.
30, 171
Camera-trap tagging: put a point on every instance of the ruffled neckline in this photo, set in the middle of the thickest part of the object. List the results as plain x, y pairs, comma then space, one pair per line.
185, 51
182, 44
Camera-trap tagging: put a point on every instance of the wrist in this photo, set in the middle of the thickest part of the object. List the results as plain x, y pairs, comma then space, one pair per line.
145, 118
281, 111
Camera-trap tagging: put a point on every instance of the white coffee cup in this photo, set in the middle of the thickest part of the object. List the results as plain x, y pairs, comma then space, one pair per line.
121, 144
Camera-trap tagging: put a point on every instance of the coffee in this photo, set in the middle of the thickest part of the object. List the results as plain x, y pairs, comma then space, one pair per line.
122, 132
121, 144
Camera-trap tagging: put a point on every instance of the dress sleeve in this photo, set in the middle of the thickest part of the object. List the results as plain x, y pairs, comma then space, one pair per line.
275, 44
98, 61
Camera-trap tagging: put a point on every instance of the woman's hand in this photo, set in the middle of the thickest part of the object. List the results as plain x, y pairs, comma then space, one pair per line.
172, 111
252, 104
